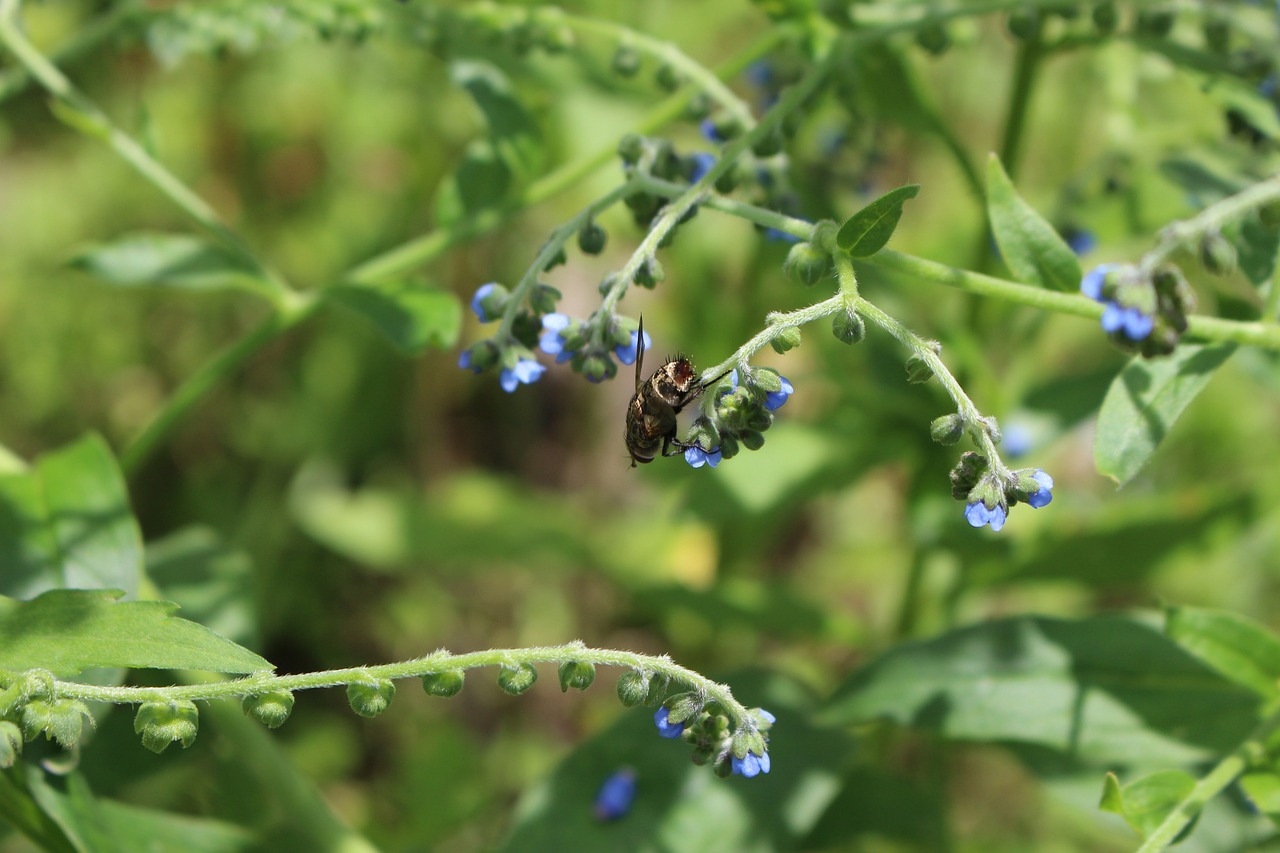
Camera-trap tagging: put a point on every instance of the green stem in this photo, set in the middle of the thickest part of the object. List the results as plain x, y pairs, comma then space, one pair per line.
1179, 235
437, 662
777, 323
1028, 63
86, 37
1251, 750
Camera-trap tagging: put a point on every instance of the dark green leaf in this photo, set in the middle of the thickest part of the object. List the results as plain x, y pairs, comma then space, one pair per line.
875, 805
1145, 803
1145, 400
681, 808
1102, 690
1200, 182
212, 582
67, 523
69, 630
1030, 246
22, 812
1256, 245
410, 316
169, 260
1240, 649
481, 181
867, 231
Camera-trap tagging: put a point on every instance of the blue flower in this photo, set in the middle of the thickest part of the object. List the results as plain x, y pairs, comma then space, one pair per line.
780, 236
526, 371
464, 361
1081, 240
697, 457
770, 718
477, 302
702, 163
1018, 440
552, 342
1135, 325
666, 728
710, 132
616, 795
751, 765
626, 353
1094, 279
775, 400
977, 515
1044, 494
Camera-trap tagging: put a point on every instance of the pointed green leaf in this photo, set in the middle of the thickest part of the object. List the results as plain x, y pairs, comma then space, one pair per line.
1256, 244
1102, 690
1240, 649
168, 260
69, 630
1144, 402
1145, 803
868, 230
410, 316
66, 522
1033, 250
1263, 790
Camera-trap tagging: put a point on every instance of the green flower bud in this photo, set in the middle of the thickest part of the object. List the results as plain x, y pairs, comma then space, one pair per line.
1217, 34
271, 708
918, 370
544, 298
633, 687
699, 106
848, 327
1024, 23
728, 180
658, 684
766, 378
947, 429
933, 36
650, 273
592, 238
1269, 214
60, 720
667, 78
597, 367
807, 264
631, 148
758, 420
556, 260
1156, 23
787, 339
763, 724
1218, 254
726, 127
626, 61
771, 143
517, 679
683, 708
1105, 17
577, 674
966, 474
751, 440
444, 684
371, 698
10, 744
163, 723
728, 446
723, 769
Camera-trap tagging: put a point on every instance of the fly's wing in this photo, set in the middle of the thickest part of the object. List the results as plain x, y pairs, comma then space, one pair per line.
640, 352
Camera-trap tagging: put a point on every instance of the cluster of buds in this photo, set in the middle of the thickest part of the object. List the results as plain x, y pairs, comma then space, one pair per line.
988, 495
739, 416
1143, 312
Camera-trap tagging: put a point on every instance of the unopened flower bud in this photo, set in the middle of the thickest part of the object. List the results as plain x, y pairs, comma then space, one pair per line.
932, 35
10, 744
444, 684
947, 429
544, 299
1218, 254
807, 264
371, 698
848, 327
650, 273
667, 78
592, 238
751, 439
631, 148
271, 709
516, 680
576, 674
626, 61
162, 723
633, 687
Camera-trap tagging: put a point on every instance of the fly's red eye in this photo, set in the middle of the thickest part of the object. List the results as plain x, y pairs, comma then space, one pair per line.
684, 370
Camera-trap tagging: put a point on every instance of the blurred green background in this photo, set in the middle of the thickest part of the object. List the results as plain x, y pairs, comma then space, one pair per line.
336, 503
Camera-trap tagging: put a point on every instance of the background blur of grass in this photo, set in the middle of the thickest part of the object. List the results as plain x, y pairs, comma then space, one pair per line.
370, 508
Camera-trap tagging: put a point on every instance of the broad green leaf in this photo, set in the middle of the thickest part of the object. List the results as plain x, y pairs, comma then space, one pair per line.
1263, 790
21, 812
682, 808
1256, 245
69, 630
101, 826
1030, 246
1199, 181
1240, 649
169, 260
66, 522
212, 582
875, 805
1102, 690
868, 230
1145, 400
1145, 803
481, 181
410, 316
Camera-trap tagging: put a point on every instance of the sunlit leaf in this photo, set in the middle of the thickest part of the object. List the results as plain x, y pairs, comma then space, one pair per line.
1032, 248
69, 630
1145, 803
868, 230
1240, 649
412, 317
1144, 402
169, 260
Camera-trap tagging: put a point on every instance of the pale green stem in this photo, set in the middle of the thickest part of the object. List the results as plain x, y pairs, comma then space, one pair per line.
777, 324
1252, 750
1179, 235
435, 663
86, 37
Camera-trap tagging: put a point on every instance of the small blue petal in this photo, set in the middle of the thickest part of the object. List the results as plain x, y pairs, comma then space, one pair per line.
1137, 326
997, 518
1112, 317
551, 343
775, 400
1091, 285
564, 356
765, 763
780, 236
1042, 477
977, 514
709, 131
1082, 241
528, 371
555, 322
626, 353
476, 302
464, 361
507, 379
1044, 495
697, 457
761, 712
702, 163
666, 728
747, 767
616, 795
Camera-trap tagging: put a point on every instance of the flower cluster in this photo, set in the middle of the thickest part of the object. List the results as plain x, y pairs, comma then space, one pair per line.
1146, 313
988, 495
571, 340
740, 415
732, 752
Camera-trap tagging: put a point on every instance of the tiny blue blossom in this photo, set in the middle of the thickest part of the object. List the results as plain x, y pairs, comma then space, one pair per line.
464, 361
697, 457
770, 718
1091, 285
1081, 240
702, 163
667, 728
552, 342
1135, 325
775, 400
751, 765
977, 515
477, 302
616, 795
709, 131
626, 353
526, 371
780, 236
1044, 495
